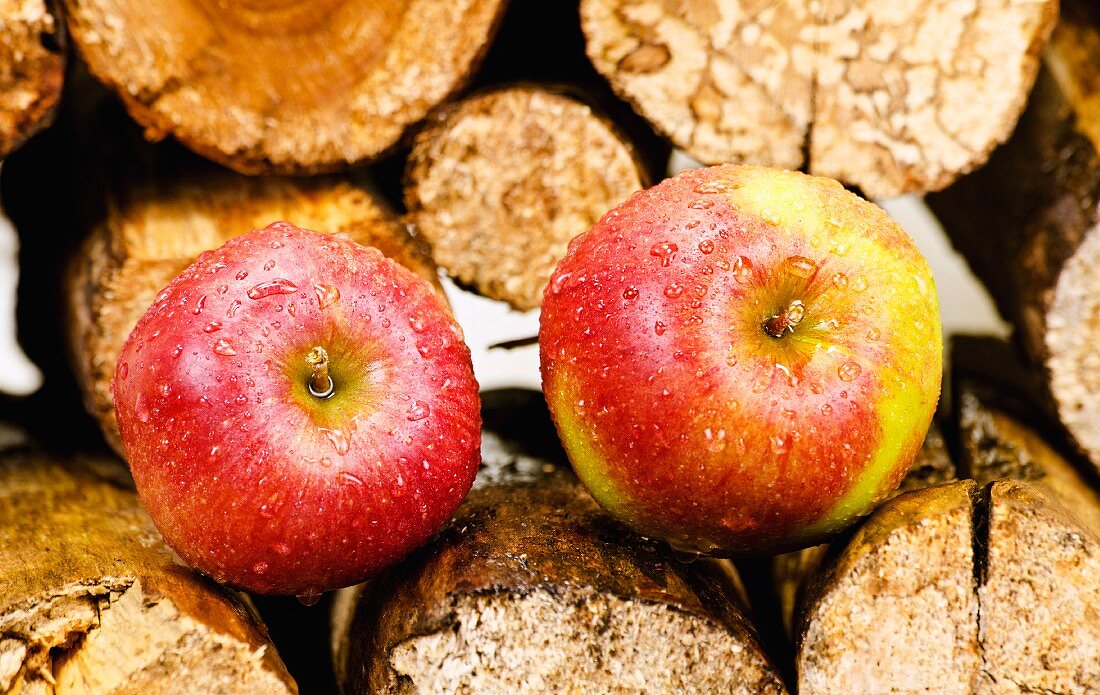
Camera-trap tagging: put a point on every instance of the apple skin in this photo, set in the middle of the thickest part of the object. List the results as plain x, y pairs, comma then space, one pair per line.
684, 417
251, 478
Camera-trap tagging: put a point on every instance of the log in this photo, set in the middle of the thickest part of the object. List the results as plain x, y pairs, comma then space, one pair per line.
1028, 225
289, 87
891, 98
793, 573
160, 212
91, 600
32, 68
533, 589
501, 182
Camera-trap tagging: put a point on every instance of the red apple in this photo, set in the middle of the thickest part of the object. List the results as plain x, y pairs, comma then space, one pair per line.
298, 412
740, 359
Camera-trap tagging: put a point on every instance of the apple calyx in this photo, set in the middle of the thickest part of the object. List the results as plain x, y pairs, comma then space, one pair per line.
785, 321
320, 383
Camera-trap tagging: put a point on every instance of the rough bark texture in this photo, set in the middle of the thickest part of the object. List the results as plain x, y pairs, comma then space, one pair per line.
500, 183
1027, 222
893, 97
91, 600
296, 86
32, 67
159, 217
533, 589
897, 610
794, 572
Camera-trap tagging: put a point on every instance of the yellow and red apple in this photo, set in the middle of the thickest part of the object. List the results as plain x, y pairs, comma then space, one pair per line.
741, 359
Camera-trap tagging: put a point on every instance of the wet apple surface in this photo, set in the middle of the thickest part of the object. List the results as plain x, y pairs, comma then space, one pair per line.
742, 359
298, 412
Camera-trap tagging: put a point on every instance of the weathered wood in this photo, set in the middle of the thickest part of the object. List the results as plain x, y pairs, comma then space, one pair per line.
501, 182
298, 86
893, 97
533, 589
32, 67
91, 600
1027, 222
161, 212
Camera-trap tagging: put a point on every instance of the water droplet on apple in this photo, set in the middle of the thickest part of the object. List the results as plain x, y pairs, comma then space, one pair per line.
701, 204
557, 284
241, 399
212, 327
826, 409
716, 440
874, 334
232, 310
630, 293
124, 370
659, 328
840, 280
327, 295
222, 289
200, 305
225, 348
141, 408
418, 411
665, 250
218, 267
859, 284
800, 266
242, 275
849, 371
673, 291
271, 287
779, 444
424, 350
742, 270
706, 246
309, 597
710, 188
260, 567
340, 441
269, 265
416, 323
281, 548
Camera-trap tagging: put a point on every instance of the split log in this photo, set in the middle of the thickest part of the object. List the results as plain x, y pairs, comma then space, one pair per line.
1028, 223
532, 589
793, 573
295, 86
91, 600
890, 97
32, 67
161, 213
501, 182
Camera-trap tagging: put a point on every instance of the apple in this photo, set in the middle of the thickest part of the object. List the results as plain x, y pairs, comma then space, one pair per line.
298, 412
741, 360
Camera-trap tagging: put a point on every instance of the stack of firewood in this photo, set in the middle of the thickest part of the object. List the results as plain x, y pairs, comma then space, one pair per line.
516, 128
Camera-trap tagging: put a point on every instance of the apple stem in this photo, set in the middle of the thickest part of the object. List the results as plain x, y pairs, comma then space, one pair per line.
785, 321
320, 383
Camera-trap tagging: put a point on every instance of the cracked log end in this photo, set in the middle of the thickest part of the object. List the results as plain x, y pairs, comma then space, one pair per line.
500, 183
156, 225
533, 587
295, 86
92, 601
32, 66
890, 99
1037, 198
897, 611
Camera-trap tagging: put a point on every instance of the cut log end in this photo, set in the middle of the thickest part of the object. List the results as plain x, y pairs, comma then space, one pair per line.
500, 184
32, 65
153, 231
283, 87
499, 644
852, 90
897, 611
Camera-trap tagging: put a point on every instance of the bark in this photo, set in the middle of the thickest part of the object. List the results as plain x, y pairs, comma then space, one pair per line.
32, 67
501, 182
160, 211
890, 97
533, 589
1027, 223
289, 87
91, 600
